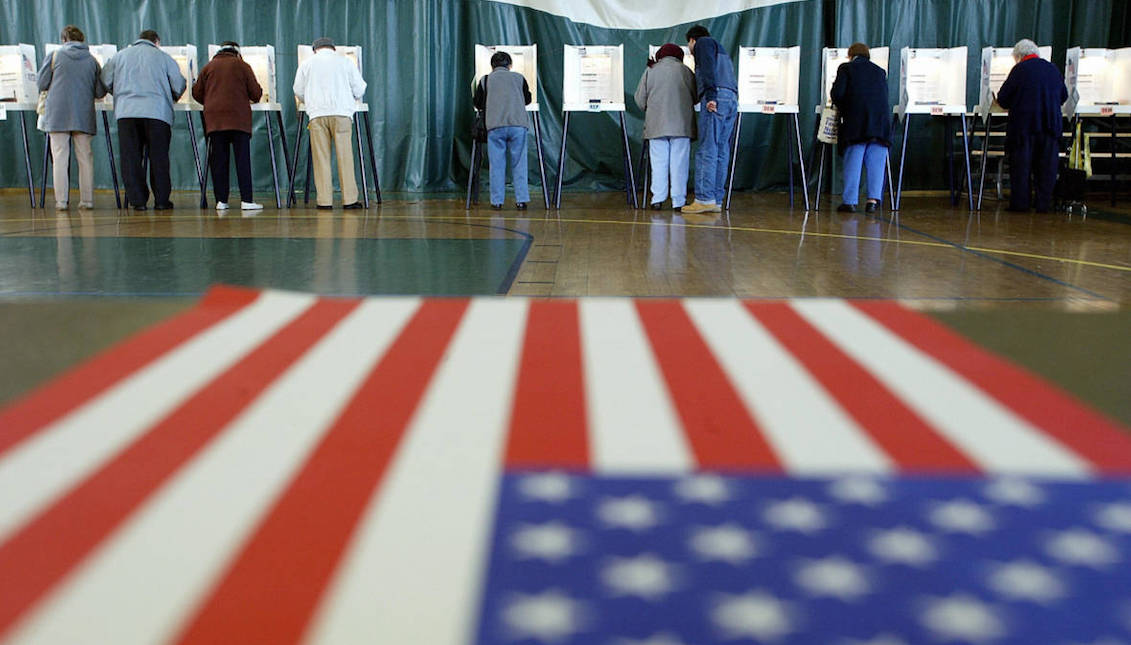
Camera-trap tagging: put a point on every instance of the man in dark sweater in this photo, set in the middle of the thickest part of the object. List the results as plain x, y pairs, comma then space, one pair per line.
504, 95
1033, 93
718, 96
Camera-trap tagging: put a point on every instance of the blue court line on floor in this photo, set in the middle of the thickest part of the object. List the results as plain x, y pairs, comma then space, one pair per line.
986, 256
512, 272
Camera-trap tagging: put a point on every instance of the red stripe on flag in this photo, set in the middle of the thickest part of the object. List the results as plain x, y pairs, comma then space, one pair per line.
1087, 433
49, 546
271, 591
74, 388
548, 424
718, 426
903, 435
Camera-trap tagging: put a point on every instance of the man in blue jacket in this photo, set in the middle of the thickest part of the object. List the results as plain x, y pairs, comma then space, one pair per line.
718, 98
1033, 93
145, 82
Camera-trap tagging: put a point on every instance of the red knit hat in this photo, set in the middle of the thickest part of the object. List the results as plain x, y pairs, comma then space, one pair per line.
669, 49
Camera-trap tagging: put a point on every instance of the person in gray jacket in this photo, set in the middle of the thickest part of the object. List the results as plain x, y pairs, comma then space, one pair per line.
667, 94
70, 76
504, 95
145, 82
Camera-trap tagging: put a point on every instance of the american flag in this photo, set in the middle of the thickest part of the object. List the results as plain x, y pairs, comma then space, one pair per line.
279, 468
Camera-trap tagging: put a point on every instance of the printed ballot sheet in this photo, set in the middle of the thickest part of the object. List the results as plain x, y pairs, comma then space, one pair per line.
593, 78
352, 52
101, 53
1098, 81
524, 60
185, 57
997, 62
262, 61
688, 58
833, 57
932, 81
768, 79
17, 74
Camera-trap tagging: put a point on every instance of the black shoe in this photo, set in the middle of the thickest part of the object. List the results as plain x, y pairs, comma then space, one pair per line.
871, 207
521, 206
325, 208
167, 206
497, 207
657, 206
140, 208
846, 208
353, 207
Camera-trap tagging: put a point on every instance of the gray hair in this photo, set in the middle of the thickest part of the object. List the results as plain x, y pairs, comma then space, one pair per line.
1025, 47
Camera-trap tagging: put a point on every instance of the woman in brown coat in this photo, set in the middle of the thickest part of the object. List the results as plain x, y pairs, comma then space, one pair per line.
227, 88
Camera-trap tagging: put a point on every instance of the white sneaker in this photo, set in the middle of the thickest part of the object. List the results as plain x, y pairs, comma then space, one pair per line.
251, 206
221, 206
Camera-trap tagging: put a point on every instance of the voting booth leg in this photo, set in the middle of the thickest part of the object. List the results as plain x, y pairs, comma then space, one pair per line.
820, 174
985, 159
361, 163
110, 151
630, 177
196, 157
472, 173
292, 199
372, 155
274, 162
891, 185
645, 173
46, 164
902, 161
208, 170
283, 140
800, 162
733, 159
1114, 140
966, 162
541, 159
561, 161
27, 161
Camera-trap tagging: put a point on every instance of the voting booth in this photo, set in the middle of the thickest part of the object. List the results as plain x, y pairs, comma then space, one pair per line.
1099, 85
933, 82
769, 79
831, 60
261, 59
593, 81
354, 54
19, 94
524, 60
101, 53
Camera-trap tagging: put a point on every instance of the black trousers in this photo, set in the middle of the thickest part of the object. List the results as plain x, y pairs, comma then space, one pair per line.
138, 139
239, 143
1032, 155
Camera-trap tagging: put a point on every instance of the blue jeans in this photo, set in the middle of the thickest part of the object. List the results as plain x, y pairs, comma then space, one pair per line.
670, 157
873, 157
509, 141
713, 156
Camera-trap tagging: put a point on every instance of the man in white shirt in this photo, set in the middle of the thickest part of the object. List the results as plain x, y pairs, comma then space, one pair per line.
330, 86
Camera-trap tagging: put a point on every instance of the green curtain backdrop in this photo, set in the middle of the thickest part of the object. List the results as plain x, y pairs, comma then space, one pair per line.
418, 63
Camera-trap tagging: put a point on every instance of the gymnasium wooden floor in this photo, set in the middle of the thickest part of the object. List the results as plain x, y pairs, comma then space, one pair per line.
1050, 291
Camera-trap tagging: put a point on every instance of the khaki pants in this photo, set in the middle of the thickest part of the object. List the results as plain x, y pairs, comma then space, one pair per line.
340, 130
61, 154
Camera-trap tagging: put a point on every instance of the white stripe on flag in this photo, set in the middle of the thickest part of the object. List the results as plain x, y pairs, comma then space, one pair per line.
140, 585
987, 432
413, 571
809, 432
63, 454
633, 427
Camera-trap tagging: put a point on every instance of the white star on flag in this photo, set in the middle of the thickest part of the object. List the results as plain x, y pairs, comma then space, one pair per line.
883, 639
1114, 517
1026, 580
727, 543
550, 616
1081, 547
833, 576
711, 490
645, 576
962, 618
962, 516
634, 512
903, 546
755, 614
1012, 491
552, 541
655, 639
796, 514
547, 487
866, 491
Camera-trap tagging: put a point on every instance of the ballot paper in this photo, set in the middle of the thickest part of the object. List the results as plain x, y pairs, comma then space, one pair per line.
261, 59
593, 78
524, 60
